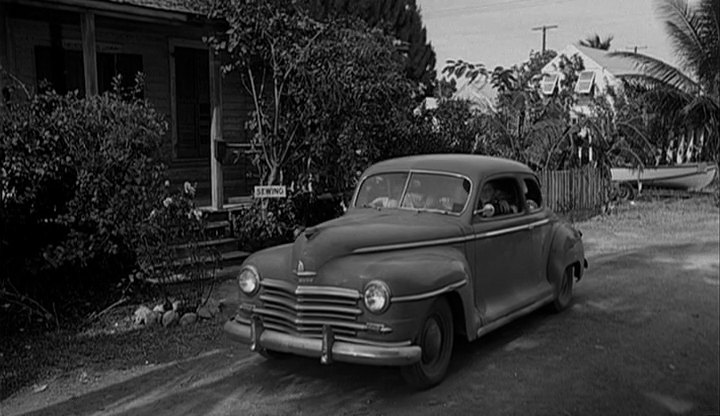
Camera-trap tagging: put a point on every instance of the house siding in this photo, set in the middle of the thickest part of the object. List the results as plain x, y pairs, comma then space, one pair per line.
131, 38
154, 42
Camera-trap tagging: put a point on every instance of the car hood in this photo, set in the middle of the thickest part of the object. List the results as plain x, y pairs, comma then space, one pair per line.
370, 230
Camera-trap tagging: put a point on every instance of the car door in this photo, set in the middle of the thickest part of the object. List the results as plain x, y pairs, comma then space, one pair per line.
540, 229
505, 257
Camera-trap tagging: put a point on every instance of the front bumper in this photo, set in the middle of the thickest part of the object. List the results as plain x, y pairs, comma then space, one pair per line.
327, 348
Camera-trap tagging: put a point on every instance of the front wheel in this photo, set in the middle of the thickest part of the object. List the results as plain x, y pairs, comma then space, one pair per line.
436, 340
564, 290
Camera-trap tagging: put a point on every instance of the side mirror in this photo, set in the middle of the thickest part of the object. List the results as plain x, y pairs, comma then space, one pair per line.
487, 211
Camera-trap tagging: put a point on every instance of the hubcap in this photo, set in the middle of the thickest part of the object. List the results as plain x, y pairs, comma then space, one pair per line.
432, 341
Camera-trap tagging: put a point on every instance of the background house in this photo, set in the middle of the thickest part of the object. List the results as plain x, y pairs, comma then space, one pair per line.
82, 44
602, 71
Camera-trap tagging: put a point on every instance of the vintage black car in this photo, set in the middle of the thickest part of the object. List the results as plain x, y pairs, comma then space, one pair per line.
432, 247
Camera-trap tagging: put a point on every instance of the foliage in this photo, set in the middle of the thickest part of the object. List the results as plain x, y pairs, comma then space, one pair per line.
526, 125
321, 90
168, 246
596, 42
617, 133
257, 231
356, 99
453, 127
689, 94
80, 177
400, 19
461, 69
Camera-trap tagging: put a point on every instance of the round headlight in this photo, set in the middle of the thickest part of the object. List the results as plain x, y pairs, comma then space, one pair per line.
249, 280
376, 296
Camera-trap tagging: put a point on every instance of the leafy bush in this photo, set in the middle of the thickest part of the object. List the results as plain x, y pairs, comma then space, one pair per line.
80, 177
168, 245
266, 223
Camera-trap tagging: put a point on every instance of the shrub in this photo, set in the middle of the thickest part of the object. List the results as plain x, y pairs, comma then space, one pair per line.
80, 177
260, 227
168, 245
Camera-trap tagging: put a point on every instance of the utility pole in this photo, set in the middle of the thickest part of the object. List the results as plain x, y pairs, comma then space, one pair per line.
635, 48
544, 29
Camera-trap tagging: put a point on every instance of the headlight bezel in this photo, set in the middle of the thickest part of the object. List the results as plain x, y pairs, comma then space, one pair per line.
252, 269
383, 288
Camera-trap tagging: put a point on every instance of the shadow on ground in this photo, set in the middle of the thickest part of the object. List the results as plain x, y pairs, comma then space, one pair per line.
609, 349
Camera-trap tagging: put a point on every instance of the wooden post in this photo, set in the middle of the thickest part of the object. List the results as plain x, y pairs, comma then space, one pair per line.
216, 134
4, 49
87, 29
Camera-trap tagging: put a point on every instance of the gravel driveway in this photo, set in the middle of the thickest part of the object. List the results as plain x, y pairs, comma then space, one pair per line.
641, 338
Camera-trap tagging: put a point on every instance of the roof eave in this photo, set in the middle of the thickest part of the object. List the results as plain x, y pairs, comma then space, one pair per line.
119, 10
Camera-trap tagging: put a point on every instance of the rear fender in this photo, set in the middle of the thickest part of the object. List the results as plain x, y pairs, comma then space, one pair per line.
566, 250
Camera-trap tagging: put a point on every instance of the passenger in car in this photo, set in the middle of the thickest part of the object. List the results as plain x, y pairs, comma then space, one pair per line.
498, 198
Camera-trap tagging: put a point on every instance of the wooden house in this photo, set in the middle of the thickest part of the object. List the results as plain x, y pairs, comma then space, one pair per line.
82, 44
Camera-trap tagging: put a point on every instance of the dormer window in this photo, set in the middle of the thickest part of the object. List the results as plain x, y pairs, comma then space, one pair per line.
585, 82
549, 83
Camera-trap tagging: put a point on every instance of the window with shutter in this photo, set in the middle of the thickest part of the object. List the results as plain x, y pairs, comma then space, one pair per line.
585, 82
549, 83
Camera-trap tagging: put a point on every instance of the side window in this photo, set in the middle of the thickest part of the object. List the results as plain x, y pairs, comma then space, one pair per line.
533, 195
499, 197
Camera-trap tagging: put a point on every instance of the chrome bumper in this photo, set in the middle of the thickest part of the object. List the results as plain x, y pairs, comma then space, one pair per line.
327, 348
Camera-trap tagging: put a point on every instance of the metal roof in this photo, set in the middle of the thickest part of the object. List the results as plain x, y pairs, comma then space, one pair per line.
615, 65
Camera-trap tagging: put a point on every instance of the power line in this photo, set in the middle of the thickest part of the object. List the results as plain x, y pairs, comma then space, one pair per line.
544, 29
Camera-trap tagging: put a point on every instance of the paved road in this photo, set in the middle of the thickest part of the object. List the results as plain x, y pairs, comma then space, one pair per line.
640, 339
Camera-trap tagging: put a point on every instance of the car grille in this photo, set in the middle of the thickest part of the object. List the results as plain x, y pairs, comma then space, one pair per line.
304, 310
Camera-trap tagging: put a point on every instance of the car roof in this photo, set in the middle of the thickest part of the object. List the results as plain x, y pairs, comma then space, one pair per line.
463, 164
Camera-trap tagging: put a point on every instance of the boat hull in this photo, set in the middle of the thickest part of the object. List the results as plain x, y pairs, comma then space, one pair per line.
691, 177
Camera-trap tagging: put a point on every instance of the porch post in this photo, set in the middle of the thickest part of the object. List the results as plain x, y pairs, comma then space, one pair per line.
4, 50
216, 134
87, 29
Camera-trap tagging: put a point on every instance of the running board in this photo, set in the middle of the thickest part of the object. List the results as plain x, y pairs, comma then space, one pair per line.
511, 317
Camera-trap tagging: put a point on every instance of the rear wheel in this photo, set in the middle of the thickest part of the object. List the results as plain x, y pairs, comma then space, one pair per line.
436, 340
564, 290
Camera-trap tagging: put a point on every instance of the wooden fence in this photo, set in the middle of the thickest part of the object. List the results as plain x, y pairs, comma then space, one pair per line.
577, 193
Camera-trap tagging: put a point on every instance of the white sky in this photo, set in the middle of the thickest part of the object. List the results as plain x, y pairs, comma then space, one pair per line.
498, 32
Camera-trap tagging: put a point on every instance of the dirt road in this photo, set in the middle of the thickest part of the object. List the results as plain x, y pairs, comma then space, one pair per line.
640, 339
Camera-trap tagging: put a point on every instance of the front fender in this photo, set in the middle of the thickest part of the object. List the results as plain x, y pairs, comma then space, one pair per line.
408, 273
566, 249
416, 277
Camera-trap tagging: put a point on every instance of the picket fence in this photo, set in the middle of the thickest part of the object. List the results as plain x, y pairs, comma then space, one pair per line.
577, 193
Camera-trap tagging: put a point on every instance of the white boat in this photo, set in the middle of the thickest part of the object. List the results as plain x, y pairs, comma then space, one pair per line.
688, 176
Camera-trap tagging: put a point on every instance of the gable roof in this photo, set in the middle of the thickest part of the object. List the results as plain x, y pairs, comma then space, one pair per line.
615, 65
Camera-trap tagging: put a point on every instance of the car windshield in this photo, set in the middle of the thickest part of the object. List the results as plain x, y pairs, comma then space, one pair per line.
421, 191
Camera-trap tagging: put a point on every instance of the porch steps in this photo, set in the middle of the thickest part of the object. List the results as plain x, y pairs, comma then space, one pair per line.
218, 229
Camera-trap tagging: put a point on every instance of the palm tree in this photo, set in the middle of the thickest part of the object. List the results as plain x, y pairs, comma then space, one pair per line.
692, 89
595, 42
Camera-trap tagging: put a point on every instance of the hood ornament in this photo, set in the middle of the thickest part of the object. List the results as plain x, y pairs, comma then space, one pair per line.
305, 276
